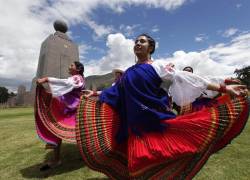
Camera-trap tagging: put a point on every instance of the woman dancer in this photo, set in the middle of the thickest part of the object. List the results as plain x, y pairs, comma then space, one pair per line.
130, 134
55, 112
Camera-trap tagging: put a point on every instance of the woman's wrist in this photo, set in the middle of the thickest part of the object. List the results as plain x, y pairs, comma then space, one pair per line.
46, 79
222, 89
228, 80
42, 80
95, 93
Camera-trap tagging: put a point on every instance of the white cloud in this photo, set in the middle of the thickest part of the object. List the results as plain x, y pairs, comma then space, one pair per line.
236, 53
100, 30
221, 59
21, 37
79, 11
230, 32
198, 39
218, 60
201, 62
155, 29
238, 6
25, 24
83, 49
120, 55
128, 30
166, 4
201, 38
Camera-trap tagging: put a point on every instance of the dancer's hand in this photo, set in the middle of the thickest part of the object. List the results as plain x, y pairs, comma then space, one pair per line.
42, 80
237, 90
171, 65
88, 93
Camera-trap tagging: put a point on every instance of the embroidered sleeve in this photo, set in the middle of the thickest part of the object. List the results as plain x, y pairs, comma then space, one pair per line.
60, 87
77, 81
217, 80
185, 87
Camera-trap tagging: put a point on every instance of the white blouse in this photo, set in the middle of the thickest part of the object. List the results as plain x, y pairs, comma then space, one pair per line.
185, 87
60, 87
215, 80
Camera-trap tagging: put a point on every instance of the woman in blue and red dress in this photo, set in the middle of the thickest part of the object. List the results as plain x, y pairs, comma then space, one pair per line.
130, 133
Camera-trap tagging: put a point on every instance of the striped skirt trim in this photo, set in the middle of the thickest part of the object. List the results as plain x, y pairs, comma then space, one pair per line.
179, 152
50, 123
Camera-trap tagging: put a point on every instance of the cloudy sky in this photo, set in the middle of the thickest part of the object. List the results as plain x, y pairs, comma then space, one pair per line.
212, 36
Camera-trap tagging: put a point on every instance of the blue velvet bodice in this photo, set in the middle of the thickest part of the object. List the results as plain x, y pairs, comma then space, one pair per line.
140, 101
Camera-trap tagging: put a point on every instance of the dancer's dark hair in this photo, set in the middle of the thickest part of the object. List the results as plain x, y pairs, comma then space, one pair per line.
188, 68
79, 67
151, 41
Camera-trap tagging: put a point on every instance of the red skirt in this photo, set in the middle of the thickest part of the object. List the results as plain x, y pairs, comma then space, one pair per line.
52, 124
178, 152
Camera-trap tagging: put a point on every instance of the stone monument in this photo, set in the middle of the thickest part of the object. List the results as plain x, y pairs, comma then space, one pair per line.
56, 54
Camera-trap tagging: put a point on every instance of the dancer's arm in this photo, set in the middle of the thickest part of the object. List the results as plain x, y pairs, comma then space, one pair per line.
60, 87
89, 93
234, 90
42, 80
186, 87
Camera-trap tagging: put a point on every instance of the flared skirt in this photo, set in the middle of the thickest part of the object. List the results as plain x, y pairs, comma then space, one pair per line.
179, 152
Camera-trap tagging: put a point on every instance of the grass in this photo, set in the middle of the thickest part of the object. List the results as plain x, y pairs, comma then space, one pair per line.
22, 154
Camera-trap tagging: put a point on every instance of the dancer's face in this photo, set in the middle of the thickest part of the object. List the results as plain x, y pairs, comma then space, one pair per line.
142, 46
72, 69
118, 75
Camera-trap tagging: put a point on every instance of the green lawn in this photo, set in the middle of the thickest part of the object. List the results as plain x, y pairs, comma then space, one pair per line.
22, 153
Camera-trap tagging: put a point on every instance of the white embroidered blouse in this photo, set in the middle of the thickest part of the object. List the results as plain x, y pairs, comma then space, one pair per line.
185, 87
60, 87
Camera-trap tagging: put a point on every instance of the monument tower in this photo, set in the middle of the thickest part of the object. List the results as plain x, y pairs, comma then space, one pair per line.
57, 53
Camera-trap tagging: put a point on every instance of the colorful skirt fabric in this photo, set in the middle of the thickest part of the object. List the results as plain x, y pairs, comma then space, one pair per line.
52, 124
177, 153
201, 103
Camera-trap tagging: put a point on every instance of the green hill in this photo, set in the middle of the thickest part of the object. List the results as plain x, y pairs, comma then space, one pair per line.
99, 82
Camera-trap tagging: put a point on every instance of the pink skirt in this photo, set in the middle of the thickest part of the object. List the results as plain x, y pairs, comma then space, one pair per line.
52, 124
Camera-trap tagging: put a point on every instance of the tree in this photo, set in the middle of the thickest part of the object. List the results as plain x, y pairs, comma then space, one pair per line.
12, 94
244, 75
4, 95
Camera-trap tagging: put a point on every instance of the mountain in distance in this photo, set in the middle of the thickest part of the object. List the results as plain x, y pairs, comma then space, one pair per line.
99, 82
